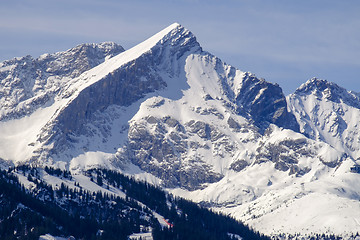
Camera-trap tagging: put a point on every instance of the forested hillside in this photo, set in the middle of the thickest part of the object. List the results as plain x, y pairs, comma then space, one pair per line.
64, 211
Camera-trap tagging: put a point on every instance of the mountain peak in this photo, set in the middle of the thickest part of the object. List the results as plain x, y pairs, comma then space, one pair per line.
322, 89
315, 83
175, 25
330, 91
175, 34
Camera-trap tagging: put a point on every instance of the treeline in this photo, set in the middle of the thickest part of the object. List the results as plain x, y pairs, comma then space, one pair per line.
189, 220
82, 214
65, 211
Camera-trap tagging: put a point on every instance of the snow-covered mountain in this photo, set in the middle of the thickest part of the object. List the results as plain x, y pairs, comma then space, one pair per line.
170, 113
329, 113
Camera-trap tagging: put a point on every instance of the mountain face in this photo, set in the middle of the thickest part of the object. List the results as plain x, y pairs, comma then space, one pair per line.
170, 113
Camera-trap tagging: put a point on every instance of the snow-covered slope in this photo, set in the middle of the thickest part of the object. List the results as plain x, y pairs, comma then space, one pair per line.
175, 115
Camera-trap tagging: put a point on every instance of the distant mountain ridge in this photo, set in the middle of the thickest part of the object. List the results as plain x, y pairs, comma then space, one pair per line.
329, 113
168, 112
28, 83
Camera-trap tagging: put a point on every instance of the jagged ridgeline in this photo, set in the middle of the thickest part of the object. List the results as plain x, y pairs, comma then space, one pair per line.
63, 211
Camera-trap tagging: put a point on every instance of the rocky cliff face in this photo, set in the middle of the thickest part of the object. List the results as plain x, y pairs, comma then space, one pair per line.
164, 151
265, 103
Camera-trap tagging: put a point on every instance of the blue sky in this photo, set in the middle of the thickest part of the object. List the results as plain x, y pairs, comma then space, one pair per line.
283, 41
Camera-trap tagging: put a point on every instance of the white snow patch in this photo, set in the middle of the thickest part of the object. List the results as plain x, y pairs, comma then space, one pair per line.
91, 160
18, 138
50, 237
